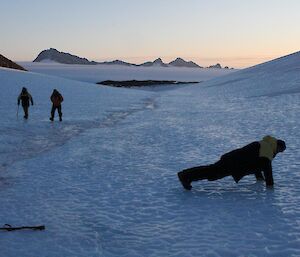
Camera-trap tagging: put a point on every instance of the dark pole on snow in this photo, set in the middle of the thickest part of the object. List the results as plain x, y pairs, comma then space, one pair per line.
8, 227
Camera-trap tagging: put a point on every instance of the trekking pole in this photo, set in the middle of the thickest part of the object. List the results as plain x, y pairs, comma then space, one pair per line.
8, 227
18, 112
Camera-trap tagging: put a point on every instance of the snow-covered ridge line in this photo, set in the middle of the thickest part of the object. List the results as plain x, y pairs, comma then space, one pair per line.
53, 55
266, 79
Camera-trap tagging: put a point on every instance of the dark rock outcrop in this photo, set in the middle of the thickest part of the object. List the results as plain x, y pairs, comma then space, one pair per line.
142, 83
61, 57
217, 66
179, 62
118, 62
158, 63
6, 63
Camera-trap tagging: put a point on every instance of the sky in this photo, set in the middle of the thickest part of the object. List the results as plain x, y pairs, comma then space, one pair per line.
235, 33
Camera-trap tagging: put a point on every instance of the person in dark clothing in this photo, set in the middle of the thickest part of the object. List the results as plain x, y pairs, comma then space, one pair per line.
56, 99
253, 158
25, 98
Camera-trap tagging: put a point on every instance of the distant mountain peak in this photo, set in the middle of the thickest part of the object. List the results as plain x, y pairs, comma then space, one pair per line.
157, 62
117, 62
52, 54
179, 62
216, 66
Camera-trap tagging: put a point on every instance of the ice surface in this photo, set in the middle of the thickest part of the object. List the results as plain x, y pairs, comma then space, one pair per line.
104, 180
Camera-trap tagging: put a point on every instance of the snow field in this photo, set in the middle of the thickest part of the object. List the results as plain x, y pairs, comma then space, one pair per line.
108, 186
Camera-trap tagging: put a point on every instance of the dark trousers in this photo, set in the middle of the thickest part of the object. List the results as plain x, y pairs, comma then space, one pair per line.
25, 109
53, 111
211, 172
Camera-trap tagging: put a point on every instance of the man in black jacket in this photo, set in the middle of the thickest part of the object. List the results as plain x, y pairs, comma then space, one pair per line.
25, 98
253, 158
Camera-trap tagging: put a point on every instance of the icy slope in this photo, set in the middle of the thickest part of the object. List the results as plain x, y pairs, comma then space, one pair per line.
280, 76
112, 190
85, 106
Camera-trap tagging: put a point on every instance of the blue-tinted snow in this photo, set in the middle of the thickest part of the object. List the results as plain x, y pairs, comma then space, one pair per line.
104, 180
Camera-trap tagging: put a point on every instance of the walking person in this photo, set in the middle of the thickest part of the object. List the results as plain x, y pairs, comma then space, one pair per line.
56, 99
26, 99
253, 158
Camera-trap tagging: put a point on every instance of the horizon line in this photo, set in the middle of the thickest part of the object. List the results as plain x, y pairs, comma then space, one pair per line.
237, 62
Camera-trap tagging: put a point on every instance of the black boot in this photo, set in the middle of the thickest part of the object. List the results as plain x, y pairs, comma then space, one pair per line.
186, 183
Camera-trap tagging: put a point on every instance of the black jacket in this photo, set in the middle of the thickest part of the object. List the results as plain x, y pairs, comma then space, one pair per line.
25, 98
245, 161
